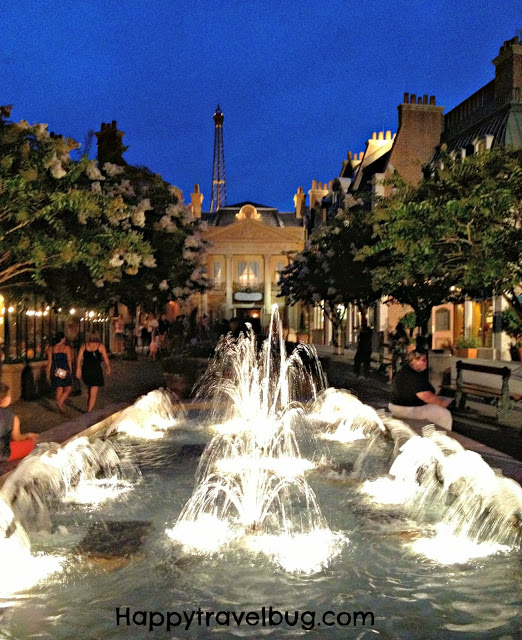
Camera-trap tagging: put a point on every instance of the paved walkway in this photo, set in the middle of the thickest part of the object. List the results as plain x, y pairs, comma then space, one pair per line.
499, 445
129, 380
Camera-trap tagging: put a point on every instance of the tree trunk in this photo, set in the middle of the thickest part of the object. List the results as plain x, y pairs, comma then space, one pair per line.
129, 352
339, 350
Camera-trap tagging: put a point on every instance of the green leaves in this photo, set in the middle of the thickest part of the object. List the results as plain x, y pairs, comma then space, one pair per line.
47, 205
460, 227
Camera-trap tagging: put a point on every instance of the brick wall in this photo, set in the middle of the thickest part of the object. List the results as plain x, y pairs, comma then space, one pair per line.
508, 70
420, 127
395, 312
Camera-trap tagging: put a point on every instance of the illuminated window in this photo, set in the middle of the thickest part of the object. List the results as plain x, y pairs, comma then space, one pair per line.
248, 274
279, 267
217, 274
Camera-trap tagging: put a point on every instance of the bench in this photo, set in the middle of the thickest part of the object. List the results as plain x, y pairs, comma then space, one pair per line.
501, 396
390, 362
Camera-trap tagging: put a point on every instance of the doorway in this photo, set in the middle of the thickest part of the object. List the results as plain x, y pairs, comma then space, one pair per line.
252, 316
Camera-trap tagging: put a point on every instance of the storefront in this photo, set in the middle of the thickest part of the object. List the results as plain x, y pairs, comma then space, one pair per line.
27, 327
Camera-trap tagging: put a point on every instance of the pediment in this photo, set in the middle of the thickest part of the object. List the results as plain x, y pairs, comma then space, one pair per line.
252, 231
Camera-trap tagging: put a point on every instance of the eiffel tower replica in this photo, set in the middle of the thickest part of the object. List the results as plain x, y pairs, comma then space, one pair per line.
219, 189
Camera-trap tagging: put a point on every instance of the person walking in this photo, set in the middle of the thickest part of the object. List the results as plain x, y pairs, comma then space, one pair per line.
154, 344
59, 369
89, 367
363, 355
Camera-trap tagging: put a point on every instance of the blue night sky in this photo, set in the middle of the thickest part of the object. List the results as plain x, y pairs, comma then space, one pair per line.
301, 83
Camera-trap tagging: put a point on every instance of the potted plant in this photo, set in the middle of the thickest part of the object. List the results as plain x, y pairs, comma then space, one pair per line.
512, 325
466, 347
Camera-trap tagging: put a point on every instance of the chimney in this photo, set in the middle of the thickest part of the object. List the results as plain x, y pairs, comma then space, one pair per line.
420, 127
196, 200
317, 192
110, 145
299, 203
508, 71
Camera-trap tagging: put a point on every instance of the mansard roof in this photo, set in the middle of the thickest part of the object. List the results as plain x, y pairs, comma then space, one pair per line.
268, 215
364, 175
505, 127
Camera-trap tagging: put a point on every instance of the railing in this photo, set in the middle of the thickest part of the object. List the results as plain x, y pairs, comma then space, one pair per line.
478, 106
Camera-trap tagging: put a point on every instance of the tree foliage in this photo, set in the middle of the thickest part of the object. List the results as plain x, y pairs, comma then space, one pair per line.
83, 233
327, 272
175, 236
51, 217
459, 231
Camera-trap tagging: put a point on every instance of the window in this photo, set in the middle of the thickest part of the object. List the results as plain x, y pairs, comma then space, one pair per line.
217, 274
279, 267
442, 320
248, 274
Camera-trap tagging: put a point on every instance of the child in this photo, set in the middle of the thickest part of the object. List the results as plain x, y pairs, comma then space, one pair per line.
13, 444
154, 344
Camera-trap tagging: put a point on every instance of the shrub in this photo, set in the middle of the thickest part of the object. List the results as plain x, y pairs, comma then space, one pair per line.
512, 324
467, 342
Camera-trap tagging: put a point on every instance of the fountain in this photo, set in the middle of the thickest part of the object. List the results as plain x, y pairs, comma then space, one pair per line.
306, 508
251, 479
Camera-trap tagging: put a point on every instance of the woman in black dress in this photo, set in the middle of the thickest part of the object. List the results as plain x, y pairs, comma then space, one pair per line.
89, 367
59, 368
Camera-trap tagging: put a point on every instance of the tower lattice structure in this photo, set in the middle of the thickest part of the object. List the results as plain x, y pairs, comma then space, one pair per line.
219, 188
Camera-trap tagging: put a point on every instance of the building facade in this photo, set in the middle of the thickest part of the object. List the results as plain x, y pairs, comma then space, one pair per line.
249, 245
490, 118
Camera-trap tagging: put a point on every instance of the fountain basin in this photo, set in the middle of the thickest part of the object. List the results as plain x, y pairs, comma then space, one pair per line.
378, 567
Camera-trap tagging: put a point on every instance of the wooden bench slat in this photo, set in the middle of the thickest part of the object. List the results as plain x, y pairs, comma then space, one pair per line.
484, 368
463, 388
493, 393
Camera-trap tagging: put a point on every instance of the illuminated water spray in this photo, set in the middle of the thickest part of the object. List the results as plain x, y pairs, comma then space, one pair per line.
84, 471
251, 484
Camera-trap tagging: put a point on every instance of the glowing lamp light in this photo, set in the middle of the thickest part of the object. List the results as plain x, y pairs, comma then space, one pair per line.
10, 309
91, 314
72, 311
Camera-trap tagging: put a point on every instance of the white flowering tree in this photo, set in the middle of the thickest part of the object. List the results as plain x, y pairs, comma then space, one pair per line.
175, 266
52, 216
328, 273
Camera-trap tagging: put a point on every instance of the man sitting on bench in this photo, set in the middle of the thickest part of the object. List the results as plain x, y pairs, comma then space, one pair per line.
414, 397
